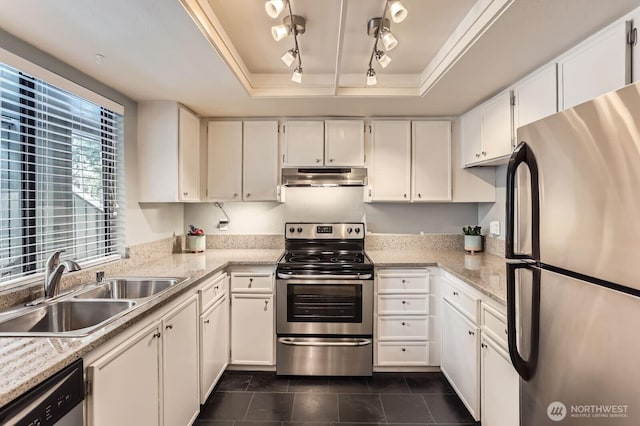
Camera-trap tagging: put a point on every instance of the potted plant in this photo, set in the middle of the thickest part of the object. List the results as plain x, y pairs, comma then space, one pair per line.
196, 240
472, 238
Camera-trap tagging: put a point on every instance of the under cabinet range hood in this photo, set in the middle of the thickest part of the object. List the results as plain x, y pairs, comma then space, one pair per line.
324, 176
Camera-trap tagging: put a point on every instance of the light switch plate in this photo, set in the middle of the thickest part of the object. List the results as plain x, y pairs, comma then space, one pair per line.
494, 227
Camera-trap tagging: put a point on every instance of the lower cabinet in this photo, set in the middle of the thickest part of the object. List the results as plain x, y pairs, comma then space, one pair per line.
252, 330
214, 345
460, 356
499, 392
152, 378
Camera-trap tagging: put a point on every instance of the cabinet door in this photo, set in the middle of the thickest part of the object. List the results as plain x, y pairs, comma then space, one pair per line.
391, 149
431, 161
595, 67
500, 400
252, 333
189, 155
460, 356
303, 143
260, 161
214, 346
536, 96
344, 143
224, 160
496, 131
125, 383
470, 129
181, 393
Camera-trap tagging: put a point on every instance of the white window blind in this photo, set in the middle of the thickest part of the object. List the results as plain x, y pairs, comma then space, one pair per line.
60, 176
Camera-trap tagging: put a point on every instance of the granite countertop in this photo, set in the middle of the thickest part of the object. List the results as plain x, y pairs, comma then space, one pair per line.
25, 362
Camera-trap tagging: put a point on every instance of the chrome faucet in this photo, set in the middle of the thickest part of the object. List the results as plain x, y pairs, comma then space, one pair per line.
53, 273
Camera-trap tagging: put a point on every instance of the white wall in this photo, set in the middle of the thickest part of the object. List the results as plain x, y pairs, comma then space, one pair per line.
332, 205
495, 211
144, 223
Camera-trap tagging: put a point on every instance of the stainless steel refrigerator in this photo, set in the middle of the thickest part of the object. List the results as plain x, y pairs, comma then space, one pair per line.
573, 268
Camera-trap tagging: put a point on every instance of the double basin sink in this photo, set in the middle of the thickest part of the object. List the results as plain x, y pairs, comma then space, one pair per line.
85, 310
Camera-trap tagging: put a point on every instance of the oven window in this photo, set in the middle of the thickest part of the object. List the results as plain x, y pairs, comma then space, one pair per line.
324, 303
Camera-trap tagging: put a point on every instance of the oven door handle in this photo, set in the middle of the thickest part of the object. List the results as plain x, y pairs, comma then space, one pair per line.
285, 276
315, 342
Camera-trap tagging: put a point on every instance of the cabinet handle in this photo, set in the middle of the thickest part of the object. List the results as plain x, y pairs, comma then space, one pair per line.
455, 293
266, 303
250, 282
156, 335
235, 195
505, 331
484, 153
185, 193
248, 195
471, 333
477, 155
216, 287
403, 323
404, 281
207, 321
331, 160
169, 327
404, 195
404, 350
419, 195
483, 345
403, 302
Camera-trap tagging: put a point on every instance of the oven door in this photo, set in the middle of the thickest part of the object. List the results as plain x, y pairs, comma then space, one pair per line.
324, 306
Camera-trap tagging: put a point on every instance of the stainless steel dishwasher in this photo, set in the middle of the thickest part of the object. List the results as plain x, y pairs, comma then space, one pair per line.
56, 401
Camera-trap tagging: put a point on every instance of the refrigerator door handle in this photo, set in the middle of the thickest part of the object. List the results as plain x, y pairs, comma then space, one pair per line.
523, 154
525, 368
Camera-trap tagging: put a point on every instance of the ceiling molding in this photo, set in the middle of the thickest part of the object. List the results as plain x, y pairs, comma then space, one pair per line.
343, 15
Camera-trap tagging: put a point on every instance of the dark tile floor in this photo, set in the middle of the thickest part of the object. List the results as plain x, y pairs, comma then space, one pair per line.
243, 398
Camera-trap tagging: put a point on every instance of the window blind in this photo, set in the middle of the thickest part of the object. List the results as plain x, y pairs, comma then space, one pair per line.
61, 181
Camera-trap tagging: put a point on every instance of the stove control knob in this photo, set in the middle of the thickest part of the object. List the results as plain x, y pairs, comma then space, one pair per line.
292, 229
299, 229
349, 230
357, 230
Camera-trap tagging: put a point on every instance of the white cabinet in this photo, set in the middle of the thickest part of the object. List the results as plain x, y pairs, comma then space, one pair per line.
252, 330
401, 331
125, 382
390, 174
536, 96
224, 160
260, 161
460, 361
431, 161
168, 153
594, 67
486, 132
303, 143
252, 317
344, 143
152, 375
499, 385
180, 367
214, 345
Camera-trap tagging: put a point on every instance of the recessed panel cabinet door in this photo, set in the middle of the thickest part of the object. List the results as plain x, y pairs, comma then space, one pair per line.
390, 179
126, 384
303, 143
260, 163
224, 166
496, 132
214, 346
344, 143
189, 155
431, 161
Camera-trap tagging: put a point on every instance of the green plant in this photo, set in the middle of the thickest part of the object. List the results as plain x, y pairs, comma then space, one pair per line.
471, 230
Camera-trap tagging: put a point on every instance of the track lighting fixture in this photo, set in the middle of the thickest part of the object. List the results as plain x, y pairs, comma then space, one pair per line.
291, 24
380, 29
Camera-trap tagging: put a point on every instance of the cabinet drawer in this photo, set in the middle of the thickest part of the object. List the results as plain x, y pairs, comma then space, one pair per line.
251, 282
403, 282
403, 304
403, 328
494, 324
212, 292
403, 353
462, 300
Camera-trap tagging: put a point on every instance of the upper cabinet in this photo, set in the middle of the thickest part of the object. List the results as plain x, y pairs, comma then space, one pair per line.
486, 132
168, 153
337, 143
242, 160
535, 96
389, 175
598, 65
431, 161
303, 143
344, 143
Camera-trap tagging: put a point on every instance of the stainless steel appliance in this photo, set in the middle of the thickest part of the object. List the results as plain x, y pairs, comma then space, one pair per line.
573, 287
324, 301
324, 176
56, 401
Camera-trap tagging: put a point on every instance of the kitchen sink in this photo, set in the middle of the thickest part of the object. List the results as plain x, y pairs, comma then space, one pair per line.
129, 288
65, 318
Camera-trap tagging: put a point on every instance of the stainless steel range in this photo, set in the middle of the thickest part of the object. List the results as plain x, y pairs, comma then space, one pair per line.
324, 301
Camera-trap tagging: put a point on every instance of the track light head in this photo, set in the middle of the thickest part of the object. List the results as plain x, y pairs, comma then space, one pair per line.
289, 57
297, 75
275, 7
280, 31
397, 11
382, 58
371, 77
388, 39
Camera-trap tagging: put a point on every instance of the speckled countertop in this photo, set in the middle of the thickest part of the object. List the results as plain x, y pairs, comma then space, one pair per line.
25, 362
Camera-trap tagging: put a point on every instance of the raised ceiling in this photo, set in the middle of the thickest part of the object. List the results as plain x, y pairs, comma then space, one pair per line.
154, 50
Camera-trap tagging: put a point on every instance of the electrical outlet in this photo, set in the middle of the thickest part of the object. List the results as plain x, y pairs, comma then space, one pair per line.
494, 228
223, 225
